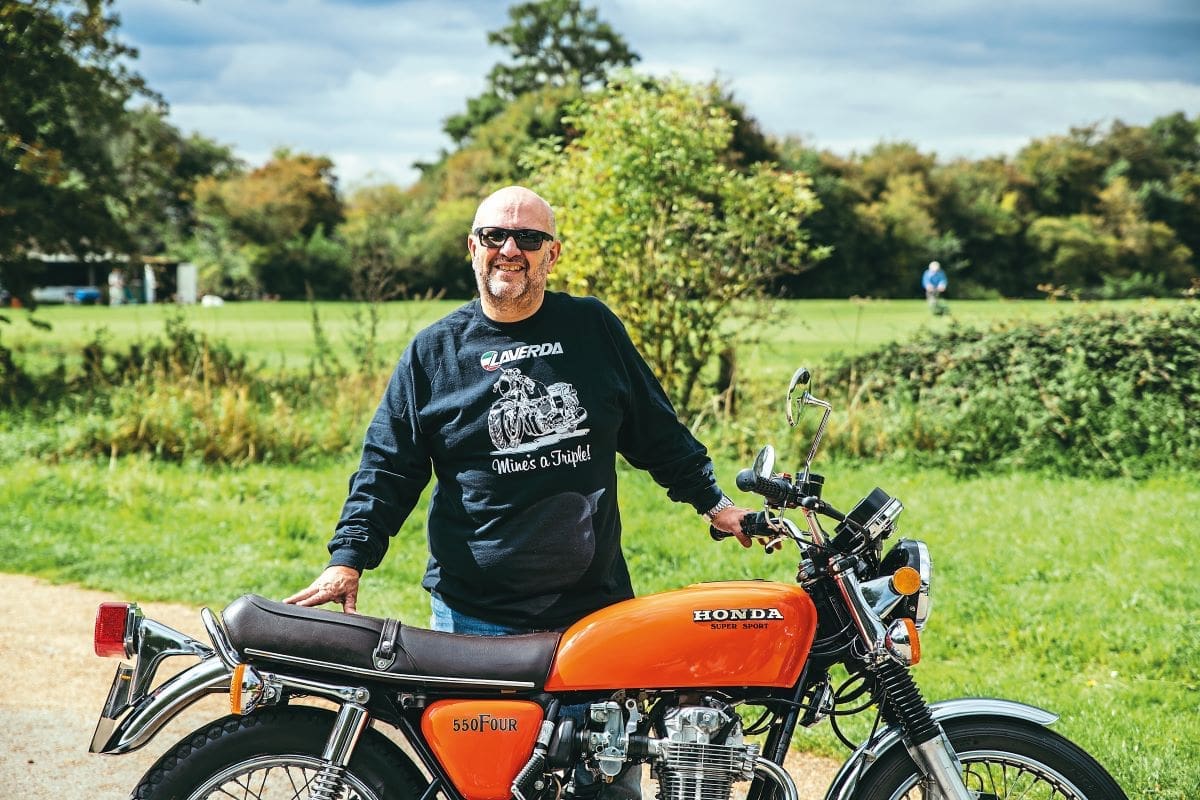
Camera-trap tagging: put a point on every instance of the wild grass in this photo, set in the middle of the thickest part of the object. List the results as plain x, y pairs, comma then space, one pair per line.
271, 336
1070, 594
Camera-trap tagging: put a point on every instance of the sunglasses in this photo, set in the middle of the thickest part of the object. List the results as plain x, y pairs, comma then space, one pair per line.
526, 238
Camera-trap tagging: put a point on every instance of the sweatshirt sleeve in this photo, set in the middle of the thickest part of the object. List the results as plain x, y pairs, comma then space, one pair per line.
652, 438
393, 471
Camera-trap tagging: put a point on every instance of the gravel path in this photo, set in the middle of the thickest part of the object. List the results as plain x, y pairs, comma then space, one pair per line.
56, 687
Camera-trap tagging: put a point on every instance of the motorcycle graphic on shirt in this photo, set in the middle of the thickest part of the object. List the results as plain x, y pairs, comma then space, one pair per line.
530, 414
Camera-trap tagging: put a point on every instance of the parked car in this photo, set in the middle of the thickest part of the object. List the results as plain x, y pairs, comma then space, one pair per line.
87, 295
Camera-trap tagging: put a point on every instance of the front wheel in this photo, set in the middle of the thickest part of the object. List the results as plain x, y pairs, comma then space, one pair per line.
274, 755
1003, 759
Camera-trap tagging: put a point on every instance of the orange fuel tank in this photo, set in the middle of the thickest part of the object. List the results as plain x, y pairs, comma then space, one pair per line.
482, 744
735, 633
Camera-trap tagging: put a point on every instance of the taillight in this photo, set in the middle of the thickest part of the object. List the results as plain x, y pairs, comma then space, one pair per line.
111, 624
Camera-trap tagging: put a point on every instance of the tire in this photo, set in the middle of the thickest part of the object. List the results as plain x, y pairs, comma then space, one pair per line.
274, 755
1002, 758
504, 425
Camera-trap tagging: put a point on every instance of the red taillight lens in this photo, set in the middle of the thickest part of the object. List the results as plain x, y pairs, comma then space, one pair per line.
111, 619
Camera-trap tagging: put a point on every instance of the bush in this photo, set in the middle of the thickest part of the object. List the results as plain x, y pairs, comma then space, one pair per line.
1102, 394
183, 398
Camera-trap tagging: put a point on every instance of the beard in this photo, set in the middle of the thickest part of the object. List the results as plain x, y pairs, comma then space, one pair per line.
511, 289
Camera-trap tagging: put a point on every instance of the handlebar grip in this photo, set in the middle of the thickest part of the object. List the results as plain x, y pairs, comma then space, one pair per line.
754, 524
778, 490
718, 535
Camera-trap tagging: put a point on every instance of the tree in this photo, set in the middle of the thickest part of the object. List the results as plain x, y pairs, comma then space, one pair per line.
158, 168
64, 84
550, 43
1063, 172
658, 224
276, 218
1076, 250
1144, 246
984, 204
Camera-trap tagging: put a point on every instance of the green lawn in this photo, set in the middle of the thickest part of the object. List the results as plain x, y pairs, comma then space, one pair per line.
280, 334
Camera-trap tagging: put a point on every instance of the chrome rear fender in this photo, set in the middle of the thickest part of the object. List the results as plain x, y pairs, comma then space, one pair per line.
846, 780
154, 710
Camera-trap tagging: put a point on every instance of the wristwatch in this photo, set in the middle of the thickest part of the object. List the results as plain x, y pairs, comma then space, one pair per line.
721, 505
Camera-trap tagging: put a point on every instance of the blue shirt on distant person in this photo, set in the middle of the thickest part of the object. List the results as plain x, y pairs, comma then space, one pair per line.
934, 280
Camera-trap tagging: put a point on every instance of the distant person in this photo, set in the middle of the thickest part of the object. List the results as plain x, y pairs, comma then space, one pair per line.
116, 288
934, 282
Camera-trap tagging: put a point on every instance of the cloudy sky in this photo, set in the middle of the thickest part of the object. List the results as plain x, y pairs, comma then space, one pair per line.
369, 82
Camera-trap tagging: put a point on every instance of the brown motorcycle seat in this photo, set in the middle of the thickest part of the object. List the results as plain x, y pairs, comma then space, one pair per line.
314, 639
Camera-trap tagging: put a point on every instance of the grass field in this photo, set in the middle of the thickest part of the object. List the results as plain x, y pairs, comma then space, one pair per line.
280, 334
1070, 594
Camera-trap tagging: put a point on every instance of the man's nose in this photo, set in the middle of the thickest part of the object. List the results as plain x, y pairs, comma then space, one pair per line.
509, 248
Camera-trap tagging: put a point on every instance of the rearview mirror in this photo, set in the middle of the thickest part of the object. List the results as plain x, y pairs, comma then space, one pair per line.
764, 462
800, 378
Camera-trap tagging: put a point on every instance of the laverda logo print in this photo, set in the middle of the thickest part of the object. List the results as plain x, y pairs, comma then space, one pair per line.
493, 360
530, 415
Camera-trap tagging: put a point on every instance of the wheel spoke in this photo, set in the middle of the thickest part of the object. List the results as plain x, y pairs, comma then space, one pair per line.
284, 777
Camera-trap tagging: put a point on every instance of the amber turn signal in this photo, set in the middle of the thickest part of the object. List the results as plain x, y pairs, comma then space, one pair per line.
903, 641
906, 581
235, 689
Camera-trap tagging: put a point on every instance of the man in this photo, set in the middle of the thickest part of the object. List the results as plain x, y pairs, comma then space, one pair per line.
518, 403
933, 281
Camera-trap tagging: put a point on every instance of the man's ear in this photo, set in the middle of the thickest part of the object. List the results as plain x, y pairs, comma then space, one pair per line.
471, 245
555, 252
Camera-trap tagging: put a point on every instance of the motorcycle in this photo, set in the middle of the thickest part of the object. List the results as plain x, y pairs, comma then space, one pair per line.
706, 684
527, 409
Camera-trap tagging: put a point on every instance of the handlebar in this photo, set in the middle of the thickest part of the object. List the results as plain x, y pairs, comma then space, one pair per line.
782, 492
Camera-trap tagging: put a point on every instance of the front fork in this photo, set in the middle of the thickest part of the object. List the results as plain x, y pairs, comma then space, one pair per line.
927, 743
903, 704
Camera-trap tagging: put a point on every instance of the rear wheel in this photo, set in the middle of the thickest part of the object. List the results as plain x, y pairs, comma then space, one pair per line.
274, 755
1003, 759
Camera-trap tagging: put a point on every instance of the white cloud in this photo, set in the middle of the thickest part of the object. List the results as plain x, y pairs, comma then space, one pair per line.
370, 84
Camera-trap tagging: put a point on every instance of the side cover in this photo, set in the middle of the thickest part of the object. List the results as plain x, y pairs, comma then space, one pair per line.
736, 633
482, 744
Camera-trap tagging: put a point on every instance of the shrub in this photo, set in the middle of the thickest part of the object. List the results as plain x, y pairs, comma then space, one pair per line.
1101, 394
183, 397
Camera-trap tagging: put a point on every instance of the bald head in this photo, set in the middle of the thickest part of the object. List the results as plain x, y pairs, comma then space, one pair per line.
515, 207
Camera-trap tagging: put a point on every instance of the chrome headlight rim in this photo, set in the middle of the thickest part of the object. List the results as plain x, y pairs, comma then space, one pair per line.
924, 597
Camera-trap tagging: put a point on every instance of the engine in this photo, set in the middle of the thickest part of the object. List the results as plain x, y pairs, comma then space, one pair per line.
699, 758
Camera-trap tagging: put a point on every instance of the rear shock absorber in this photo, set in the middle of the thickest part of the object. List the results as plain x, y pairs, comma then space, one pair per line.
905, 705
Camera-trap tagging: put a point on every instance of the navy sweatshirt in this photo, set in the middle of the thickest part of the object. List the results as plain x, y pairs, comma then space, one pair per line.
521, 423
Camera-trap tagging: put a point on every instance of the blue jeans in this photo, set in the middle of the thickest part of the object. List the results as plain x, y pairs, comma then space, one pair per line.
444, 618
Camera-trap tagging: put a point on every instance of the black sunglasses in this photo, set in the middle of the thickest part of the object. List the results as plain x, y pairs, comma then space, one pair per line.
526, 238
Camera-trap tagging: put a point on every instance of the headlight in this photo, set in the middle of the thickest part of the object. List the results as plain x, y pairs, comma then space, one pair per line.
915, 555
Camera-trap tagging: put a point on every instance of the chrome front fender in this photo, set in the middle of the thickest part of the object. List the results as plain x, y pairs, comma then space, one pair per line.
160, 706
846, 780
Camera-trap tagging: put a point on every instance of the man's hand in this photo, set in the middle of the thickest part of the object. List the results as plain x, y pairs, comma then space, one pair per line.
335, 584
730, 521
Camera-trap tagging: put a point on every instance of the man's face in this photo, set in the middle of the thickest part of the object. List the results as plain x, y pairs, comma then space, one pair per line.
512, 281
